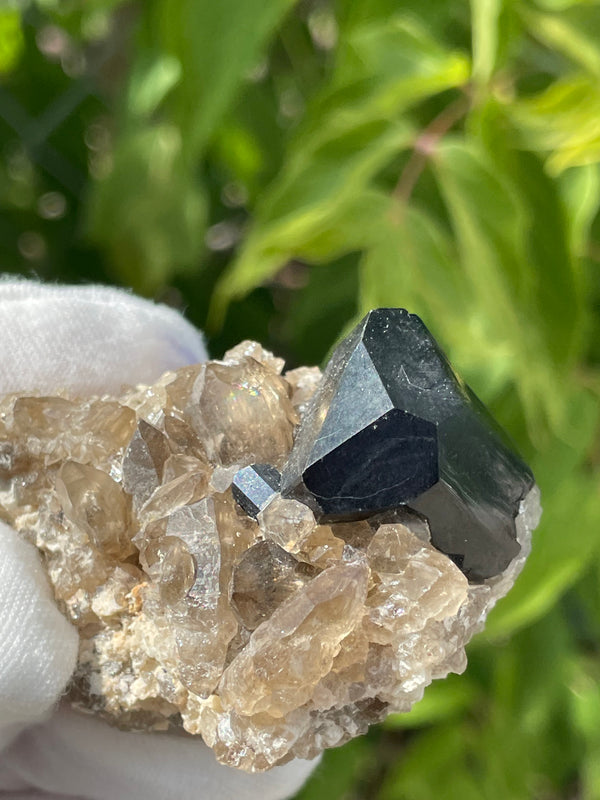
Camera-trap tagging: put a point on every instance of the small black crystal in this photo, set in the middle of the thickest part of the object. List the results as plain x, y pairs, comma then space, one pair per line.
255, 486
392, 425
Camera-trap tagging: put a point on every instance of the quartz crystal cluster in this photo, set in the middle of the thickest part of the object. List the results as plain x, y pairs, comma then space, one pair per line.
271, 561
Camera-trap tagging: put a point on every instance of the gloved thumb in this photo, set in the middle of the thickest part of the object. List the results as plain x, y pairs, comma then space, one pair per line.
39, 647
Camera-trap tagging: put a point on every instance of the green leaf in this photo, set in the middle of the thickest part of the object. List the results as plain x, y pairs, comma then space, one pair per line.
443, 700
434, 765
490, 223
216, 44
569, 532
11, 39
564, 121
558, 210
585, 707
383, 68
322, 203
149, 240
573, 32
485, 15
414, 264
492, 218
338, 772
151, 80
558, 301
319, 212
580, 190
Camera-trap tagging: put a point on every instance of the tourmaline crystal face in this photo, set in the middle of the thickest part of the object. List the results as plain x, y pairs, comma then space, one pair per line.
272, 622
255, 486
391, 424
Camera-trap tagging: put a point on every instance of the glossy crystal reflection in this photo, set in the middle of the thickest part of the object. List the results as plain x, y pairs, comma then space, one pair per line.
255, 486
391, 424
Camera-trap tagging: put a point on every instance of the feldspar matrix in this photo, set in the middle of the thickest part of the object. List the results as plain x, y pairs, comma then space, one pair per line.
273, 561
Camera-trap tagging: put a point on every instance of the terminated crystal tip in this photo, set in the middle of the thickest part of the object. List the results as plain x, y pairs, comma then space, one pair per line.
255, 486
391, 424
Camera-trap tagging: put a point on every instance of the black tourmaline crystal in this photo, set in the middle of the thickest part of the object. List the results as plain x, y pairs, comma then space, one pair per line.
255, 486
392, 425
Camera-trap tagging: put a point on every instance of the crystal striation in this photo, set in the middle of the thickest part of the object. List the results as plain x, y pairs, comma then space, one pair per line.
391, 424
207, 600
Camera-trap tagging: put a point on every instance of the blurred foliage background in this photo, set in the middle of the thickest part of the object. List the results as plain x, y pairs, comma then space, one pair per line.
276, 168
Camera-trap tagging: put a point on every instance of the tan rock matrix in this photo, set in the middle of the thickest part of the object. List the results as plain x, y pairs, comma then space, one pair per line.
270, 638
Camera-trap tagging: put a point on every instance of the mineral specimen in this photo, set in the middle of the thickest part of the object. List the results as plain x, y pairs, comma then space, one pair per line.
391, 424
272, 624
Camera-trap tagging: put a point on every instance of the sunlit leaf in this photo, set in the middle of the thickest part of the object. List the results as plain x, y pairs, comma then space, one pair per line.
323, 210
573, 32
216, 44
150, 82
349, 135
415, 265
563, 121
492, 222
557, 305
580, 189
11, 38
434, 765
485, 16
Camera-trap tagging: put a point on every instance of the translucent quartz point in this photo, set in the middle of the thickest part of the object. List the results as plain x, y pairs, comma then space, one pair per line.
249, 349
207, 601
144, 461
390, 425
289, 653
286, 522
265, 576
96, 504
243, 413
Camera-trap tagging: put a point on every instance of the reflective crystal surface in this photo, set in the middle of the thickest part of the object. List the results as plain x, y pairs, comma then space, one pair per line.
391, 424
206, 600
255, 486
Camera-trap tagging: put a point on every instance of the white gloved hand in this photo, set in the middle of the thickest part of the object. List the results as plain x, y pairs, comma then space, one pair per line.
90, 340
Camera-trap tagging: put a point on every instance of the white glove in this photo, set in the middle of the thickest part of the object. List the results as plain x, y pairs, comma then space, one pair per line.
89, 339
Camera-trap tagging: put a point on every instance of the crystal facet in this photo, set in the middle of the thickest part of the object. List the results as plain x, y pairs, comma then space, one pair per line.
265, 576
271, 626
255, 486
391, 424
